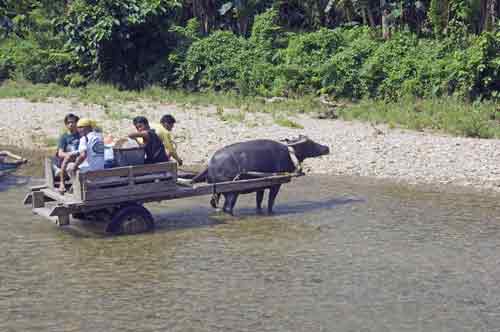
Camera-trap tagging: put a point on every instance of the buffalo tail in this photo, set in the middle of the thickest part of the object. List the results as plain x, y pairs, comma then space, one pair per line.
201, 177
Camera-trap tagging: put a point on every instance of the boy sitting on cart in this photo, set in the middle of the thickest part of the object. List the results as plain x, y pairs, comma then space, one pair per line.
153, 146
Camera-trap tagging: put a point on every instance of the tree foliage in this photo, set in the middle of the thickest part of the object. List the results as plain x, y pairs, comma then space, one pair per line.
266, 47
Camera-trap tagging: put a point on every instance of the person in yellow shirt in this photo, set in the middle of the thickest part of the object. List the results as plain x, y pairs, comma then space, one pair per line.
163, 130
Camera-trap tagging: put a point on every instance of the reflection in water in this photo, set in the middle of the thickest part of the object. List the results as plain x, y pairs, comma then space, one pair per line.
338, 255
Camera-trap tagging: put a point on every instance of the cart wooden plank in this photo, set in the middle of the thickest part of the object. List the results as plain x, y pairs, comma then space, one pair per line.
126, 191
49, 176
64, 199
117, 181
109, 172
178, 192
123, 181
137, 170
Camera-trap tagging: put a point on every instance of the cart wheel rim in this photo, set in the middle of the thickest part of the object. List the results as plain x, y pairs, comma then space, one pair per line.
134, 224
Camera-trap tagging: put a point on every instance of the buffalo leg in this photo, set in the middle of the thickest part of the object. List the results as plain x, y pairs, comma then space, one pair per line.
230, 202
259, 198
273, 192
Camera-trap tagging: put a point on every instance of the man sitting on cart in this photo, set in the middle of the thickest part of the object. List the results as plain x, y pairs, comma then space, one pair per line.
90, 149
67, 148
153, 146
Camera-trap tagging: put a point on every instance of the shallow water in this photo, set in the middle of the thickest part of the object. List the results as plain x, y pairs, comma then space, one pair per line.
340, 254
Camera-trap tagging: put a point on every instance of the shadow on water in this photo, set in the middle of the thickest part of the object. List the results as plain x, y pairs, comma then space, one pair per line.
202, 217
295, 207
197, 217
301, 207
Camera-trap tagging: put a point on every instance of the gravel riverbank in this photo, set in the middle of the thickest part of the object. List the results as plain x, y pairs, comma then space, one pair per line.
357, 149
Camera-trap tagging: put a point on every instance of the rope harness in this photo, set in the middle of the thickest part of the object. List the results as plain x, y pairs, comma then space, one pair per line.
296, 163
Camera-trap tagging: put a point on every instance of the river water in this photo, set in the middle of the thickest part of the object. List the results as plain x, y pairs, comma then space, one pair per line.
340, 254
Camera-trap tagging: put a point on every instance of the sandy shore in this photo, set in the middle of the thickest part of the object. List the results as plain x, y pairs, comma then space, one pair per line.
357, 149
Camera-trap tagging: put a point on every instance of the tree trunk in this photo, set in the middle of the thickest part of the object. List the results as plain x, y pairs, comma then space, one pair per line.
386, 33
205, 11
243, 21
348, 10
491, 14
371, 19
484, 14
364, 16
446, 15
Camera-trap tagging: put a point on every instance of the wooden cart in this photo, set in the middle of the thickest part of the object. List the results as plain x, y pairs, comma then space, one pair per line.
116, 195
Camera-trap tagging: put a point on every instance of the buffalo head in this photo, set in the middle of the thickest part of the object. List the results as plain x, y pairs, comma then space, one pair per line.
304, 147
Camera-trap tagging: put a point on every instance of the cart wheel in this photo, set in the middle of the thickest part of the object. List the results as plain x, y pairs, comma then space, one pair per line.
131, 219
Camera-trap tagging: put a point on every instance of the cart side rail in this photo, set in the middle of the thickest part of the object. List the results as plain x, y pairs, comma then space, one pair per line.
122, 181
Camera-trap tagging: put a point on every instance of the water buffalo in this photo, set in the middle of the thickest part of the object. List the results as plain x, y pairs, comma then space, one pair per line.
243, 160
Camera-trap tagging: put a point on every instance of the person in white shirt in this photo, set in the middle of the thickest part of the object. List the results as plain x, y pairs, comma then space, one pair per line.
91, 147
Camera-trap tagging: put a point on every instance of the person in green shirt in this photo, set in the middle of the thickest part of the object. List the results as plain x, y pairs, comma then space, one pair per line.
164, 131
67, 149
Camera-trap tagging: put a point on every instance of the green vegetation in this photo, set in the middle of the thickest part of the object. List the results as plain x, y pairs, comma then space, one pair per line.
448, 115
381, 56
238, 116
286, 122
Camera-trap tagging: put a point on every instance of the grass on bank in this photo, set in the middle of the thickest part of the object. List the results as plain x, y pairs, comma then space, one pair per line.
446, 115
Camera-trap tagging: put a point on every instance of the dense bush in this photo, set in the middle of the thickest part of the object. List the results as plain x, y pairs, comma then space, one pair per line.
34, 50
124, 41
475, 70
26, 59
344, 75
346, 62
133, 44
214, 62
